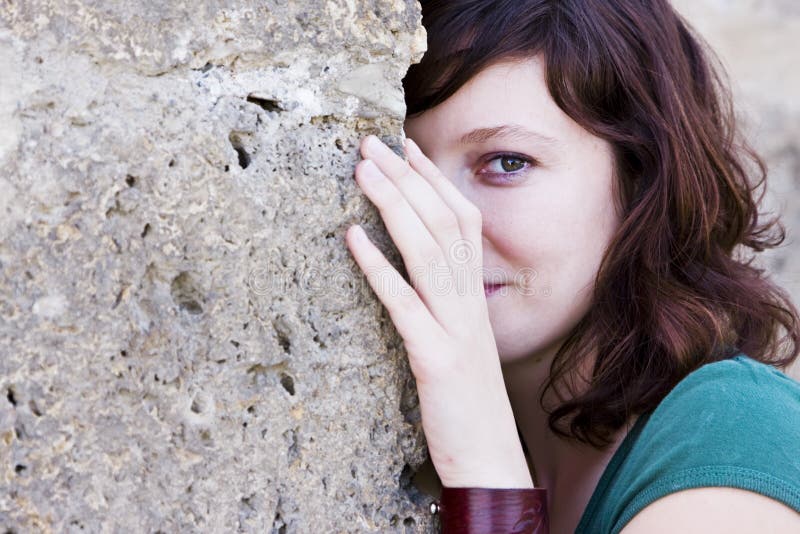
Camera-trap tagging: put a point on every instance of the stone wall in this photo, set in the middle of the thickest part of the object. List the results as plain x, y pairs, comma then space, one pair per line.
185, 341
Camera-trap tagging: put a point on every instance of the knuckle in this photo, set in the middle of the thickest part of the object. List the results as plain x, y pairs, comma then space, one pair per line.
390, 200
404, 307
406, 173
446, 221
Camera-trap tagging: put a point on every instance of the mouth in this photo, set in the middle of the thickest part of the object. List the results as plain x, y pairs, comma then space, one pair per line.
489, 288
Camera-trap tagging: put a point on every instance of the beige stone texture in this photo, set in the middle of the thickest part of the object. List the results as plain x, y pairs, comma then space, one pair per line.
186, 344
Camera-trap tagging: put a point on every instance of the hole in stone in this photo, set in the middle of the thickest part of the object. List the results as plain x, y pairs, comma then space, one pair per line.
185, 293
235, 343
267, 104
146, 230
288, 383
118, 299
10, 396
409, 522
34, 409
19, 468
244, 157
130, 180
319, 342
283, 338
197, 406
293, 451
284, 342
405, 476
278, 526
171, 163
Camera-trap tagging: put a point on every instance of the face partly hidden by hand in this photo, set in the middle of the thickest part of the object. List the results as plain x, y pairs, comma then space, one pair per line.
543, 185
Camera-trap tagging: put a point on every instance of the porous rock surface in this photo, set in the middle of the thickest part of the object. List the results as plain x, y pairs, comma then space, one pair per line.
186, 344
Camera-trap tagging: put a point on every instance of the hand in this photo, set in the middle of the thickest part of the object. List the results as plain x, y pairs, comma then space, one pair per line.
443, 319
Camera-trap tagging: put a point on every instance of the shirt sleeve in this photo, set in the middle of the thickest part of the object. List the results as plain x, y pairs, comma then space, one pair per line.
734, 423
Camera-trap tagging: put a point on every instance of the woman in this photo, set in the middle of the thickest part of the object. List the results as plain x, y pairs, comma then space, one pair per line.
591, 352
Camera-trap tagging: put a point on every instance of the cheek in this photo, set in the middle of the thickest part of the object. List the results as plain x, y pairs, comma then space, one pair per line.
542, 226
586, 232
564, 250
559, 229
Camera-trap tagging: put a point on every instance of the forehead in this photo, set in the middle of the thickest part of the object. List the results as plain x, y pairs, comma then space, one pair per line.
507, 92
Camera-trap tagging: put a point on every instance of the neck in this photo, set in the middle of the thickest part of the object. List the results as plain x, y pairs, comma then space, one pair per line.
569, 470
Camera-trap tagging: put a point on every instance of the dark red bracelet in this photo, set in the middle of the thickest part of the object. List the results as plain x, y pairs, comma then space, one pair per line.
493, 510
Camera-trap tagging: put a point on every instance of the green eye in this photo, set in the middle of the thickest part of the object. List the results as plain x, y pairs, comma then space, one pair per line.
511, 164
507, 168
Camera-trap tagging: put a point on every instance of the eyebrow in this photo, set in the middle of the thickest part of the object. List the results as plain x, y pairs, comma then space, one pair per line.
506, 131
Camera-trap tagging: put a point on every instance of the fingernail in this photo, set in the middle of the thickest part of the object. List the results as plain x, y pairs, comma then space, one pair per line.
359, 235
372, 142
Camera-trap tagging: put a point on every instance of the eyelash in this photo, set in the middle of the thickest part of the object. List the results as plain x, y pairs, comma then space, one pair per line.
530, 163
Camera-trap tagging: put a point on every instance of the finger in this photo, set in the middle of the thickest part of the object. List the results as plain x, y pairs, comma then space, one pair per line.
435, 214
408, 313
427, 267
468, 253
468, 214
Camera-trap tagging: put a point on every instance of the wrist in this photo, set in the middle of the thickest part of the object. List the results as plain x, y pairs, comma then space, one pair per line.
492, 467
478, 510
493, 480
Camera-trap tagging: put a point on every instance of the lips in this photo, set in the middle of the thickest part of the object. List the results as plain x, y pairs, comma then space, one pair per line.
489, 288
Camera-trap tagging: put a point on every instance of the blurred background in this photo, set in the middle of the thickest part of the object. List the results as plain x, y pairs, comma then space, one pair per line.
758, 42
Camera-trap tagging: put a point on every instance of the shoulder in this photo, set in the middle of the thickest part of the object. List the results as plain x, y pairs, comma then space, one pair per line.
714, 509
739, 394
726, 438
741, 371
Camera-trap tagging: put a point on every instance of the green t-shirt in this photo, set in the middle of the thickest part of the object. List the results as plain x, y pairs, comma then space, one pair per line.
730, 423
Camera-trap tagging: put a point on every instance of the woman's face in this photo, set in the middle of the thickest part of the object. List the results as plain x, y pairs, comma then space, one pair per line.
544, 187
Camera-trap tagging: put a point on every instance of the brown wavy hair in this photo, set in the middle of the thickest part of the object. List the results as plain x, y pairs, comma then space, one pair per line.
671, 293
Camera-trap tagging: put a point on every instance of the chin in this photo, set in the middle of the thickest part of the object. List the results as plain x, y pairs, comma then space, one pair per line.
518, 354
528, 345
